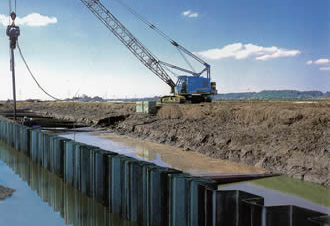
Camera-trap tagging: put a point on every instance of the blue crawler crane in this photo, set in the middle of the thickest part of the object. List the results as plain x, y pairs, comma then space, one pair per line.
195, 89
193, 86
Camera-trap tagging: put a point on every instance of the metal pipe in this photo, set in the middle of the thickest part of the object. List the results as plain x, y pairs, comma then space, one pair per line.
13, 32
12, 61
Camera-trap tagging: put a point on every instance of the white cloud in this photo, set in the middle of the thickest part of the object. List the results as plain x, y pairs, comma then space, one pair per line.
186, 13
190, 14
278, 53
193, 15
325, 68
32, 20
242, 51
322, 61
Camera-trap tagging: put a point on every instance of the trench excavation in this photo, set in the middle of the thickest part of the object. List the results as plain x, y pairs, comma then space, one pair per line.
280, 137
143, 192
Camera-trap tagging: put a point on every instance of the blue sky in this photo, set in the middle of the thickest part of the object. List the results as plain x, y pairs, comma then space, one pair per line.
251, 46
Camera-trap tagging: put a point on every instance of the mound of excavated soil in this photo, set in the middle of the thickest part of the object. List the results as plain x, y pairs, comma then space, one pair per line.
87, 113
284, 137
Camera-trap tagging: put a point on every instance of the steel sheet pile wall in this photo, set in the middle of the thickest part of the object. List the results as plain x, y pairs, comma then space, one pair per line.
140, 191
74, 207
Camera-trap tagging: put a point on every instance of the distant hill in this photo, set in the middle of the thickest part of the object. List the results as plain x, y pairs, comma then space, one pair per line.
263, 95
273, 94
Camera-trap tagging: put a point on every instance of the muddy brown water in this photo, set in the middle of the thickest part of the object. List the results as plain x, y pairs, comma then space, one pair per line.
193, 163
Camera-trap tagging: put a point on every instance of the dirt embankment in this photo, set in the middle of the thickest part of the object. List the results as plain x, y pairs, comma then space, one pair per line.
289, 138
96, 113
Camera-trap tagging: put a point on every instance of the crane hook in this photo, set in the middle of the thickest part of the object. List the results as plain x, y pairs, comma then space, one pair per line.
13, 16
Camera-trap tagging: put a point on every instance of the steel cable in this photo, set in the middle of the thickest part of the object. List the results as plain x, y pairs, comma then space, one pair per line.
160, 32
30, 72
187, 61
144, 20
9, 5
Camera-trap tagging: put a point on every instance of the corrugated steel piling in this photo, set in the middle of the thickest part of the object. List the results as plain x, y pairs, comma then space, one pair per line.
136, 190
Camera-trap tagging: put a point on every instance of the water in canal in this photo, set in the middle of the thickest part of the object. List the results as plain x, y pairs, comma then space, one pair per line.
41, 198
190, 162
277, 191
283, 190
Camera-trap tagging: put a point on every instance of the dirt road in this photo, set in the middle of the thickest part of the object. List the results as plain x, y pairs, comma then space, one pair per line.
282, 137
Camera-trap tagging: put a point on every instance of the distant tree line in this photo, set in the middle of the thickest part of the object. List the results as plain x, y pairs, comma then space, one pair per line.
273, 94
263, 95
85, 98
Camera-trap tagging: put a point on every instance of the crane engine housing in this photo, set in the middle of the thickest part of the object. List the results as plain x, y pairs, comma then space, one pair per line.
195, 89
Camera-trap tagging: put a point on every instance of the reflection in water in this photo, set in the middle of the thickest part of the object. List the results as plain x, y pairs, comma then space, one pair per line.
190, 162
74, 207
283, 190
313, 192
145, 154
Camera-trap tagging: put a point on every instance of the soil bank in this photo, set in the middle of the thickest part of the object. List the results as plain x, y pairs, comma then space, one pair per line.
292, 138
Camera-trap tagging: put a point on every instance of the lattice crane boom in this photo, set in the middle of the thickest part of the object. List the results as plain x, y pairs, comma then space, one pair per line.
128, 39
